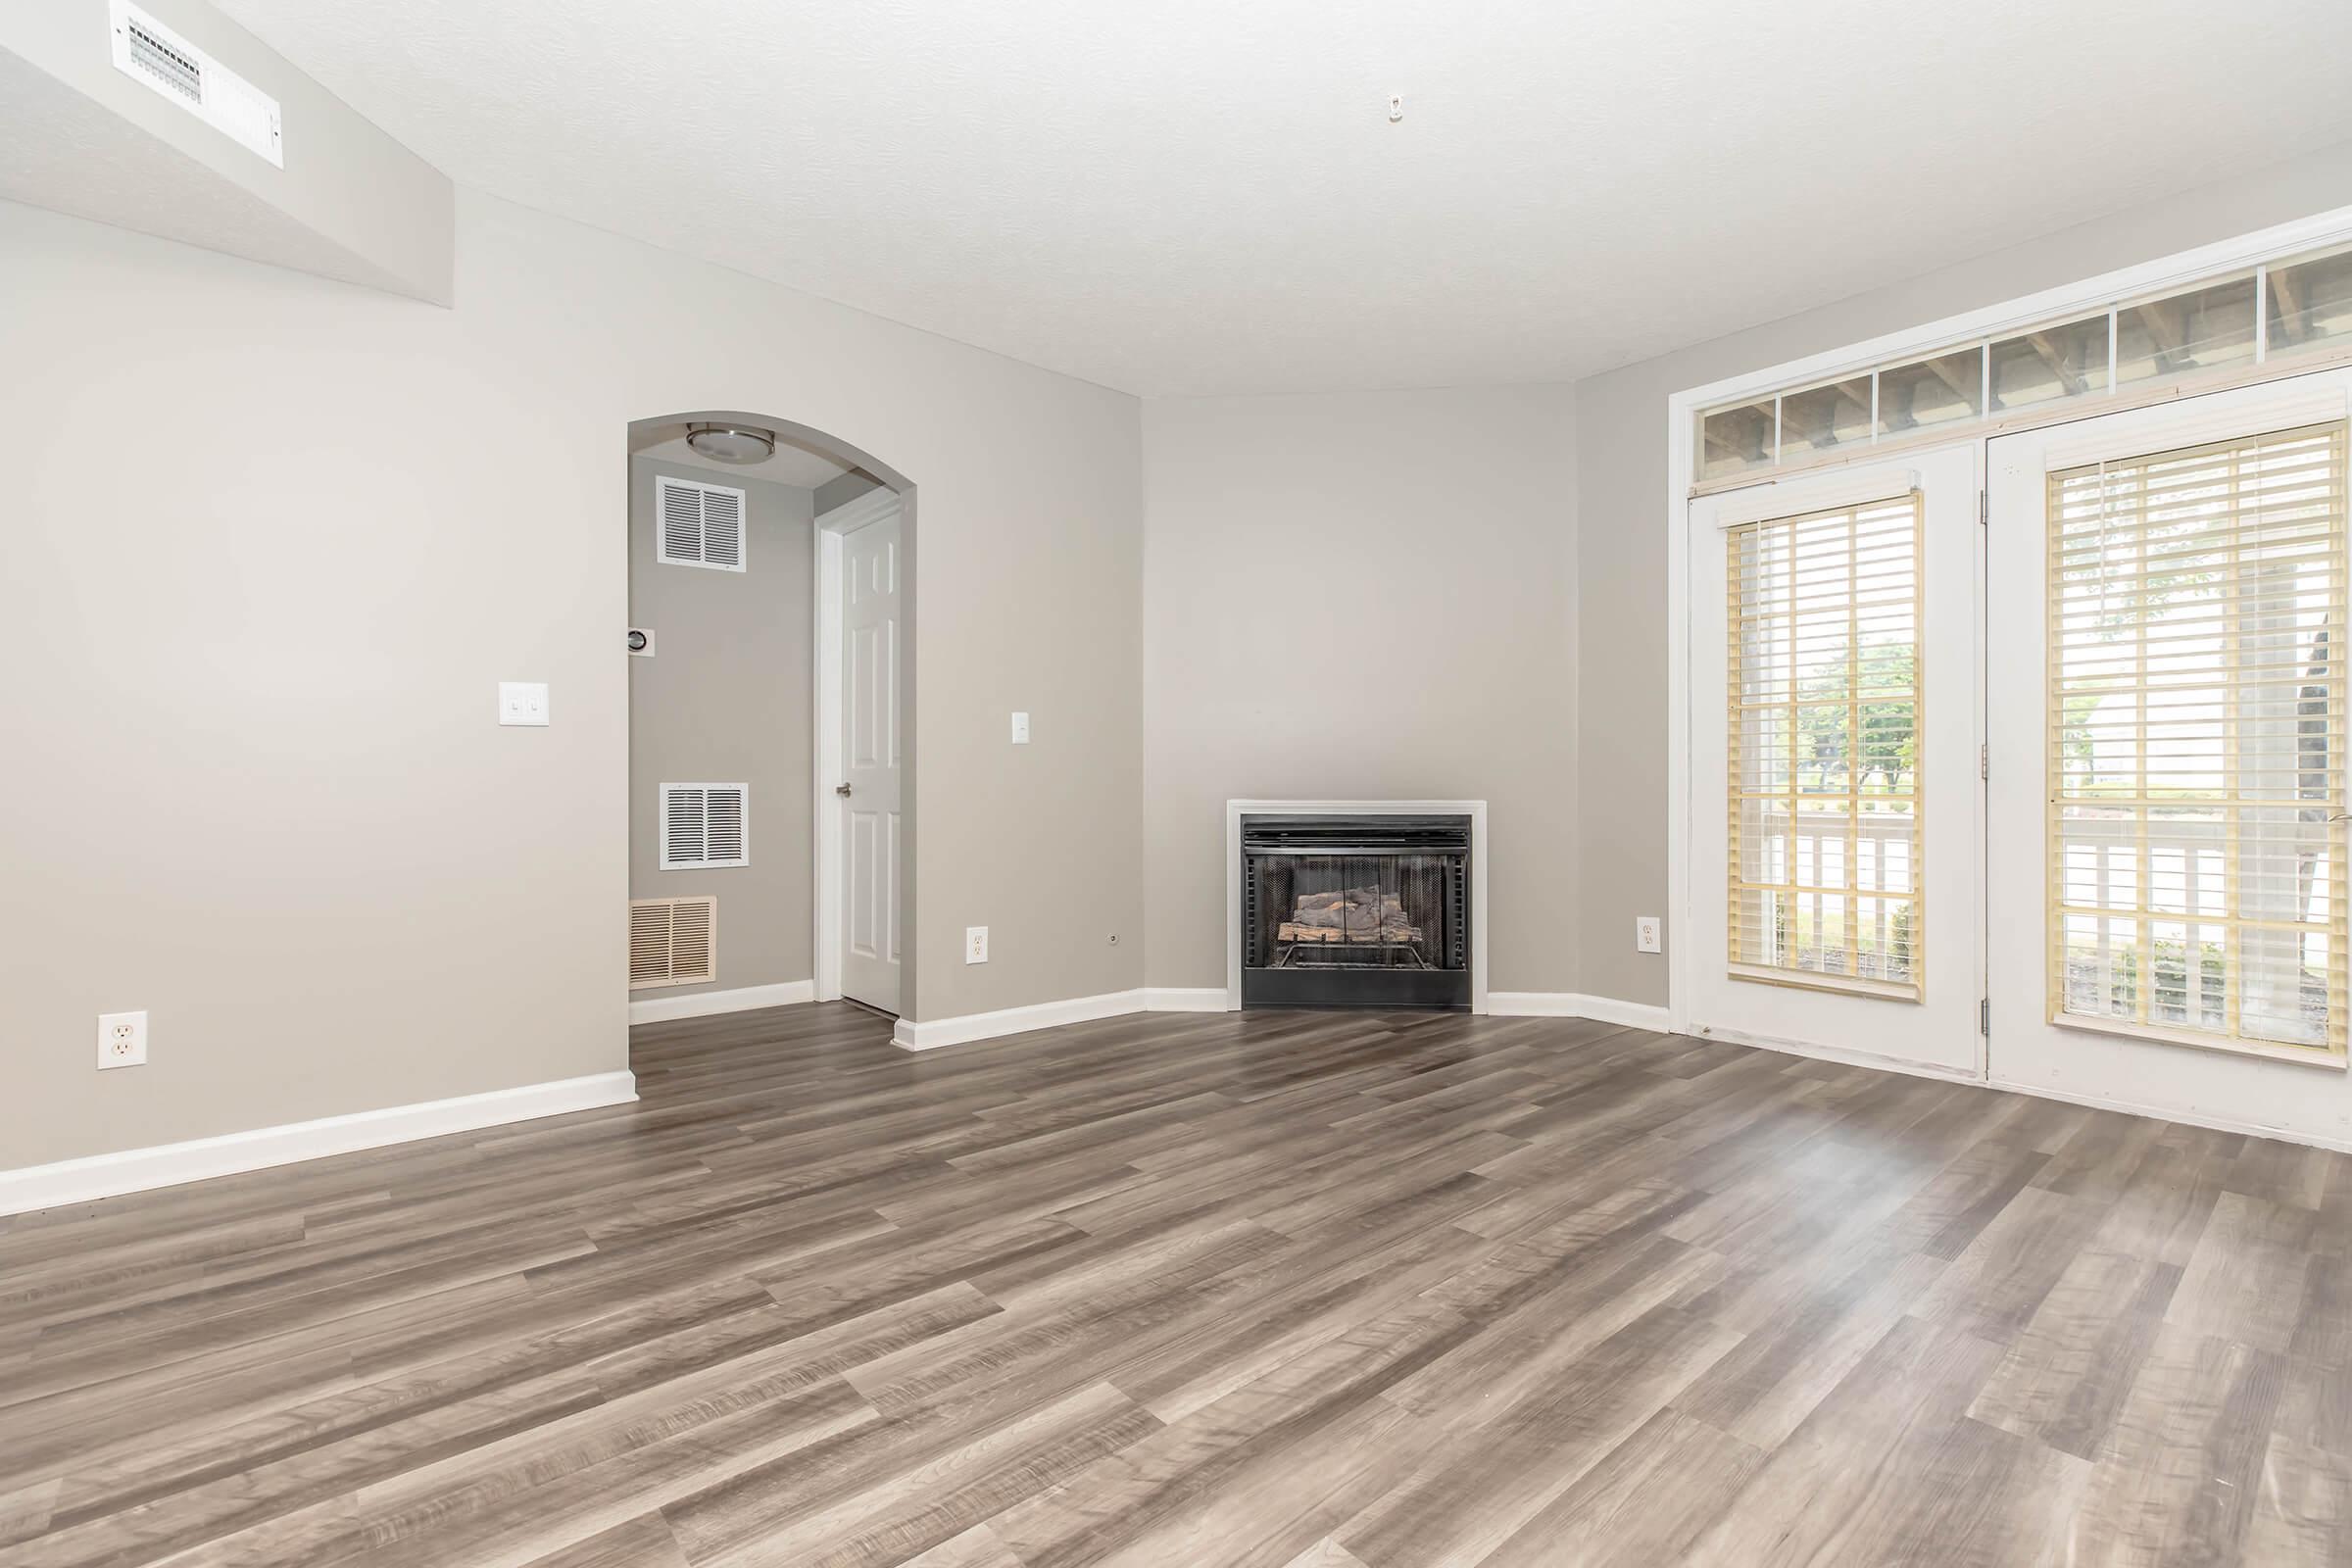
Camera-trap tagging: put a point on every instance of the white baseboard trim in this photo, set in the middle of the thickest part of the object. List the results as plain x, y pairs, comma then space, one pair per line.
2188, 1116
1849, 1059
702, 1004
937, 1032
1185, 999
1574, 1004
135, 1170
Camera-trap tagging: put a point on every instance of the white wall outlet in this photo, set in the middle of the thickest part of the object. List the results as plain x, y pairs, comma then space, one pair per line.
975, 944
522, 702
1645, 934
122, 1040
1020, 729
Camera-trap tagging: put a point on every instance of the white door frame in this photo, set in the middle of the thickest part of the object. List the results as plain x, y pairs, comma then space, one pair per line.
1808, 491
851, 516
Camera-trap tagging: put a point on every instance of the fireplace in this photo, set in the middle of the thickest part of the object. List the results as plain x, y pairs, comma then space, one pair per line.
1355, 910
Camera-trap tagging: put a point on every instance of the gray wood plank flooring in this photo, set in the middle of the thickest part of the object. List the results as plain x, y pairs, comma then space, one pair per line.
1298, 1289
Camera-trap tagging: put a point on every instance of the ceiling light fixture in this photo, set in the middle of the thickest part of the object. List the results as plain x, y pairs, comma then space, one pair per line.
731, 443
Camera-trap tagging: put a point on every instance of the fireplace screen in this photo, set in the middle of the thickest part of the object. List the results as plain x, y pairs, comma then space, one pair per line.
1355, 912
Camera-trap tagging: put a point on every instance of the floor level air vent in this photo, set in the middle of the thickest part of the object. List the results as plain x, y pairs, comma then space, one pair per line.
672, 942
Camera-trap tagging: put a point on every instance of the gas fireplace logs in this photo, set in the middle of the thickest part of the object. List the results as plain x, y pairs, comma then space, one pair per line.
1352, 914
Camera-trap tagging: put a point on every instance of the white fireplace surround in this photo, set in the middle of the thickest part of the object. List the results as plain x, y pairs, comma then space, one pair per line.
1476, 811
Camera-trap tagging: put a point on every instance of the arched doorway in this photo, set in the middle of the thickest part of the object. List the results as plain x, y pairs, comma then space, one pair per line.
772, 816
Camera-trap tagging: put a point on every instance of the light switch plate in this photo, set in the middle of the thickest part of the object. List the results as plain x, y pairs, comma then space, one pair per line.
1020, 729
522, 702
975, 944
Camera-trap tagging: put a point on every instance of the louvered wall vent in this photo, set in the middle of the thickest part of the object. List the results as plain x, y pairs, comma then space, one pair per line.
697, 524
672, 942
705, 825
147, 51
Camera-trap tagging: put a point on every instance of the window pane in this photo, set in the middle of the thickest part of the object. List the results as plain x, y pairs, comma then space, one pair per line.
1821, 418
2050, 364
2199, 330
1824, 747
1734, 440
1942, 390
2197, 612
2311, 303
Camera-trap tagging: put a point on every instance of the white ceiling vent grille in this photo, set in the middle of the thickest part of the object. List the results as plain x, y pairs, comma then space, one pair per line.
697, 524
672, 942
705, 825
147, 51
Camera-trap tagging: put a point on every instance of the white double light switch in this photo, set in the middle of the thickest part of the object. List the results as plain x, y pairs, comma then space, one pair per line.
522, 702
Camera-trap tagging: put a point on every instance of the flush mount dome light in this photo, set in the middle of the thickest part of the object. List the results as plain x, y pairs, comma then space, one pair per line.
731, 443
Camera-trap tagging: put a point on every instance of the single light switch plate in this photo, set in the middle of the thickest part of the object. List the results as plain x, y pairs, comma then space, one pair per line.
522, 702
122, 1040
975, 944
1020, 729
1646, 933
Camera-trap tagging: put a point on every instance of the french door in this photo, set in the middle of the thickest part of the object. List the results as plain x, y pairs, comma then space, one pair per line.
1836, 831
2167, 749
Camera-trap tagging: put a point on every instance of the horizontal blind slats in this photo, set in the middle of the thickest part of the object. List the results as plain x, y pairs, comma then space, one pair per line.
2196, 730
1823, 698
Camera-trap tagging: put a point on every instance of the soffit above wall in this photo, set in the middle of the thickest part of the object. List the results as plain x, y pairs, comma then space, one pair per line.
79, 137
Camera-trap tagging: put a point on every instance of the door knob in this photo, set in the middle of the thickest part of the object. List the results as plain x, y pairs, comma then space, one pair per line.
841, 789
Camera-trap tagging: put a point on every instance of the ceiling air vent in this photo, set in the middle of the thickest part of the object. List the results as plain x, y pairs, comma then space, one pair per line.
697, 524
672, 942
705, 825
147, 51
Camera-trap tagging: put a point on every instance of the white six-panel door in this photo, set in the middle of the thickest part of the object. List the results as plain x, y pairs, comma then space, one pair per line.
1892, 876
869, 751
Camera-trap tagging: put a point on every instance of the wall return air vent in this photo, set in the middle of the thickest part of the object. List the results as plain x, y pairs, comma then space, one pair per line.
672, 942
697, 524
147, 51
705, 826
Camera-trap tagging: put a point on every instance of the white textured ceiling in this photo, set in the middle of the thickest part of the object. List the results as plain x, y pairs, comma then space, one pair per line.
1208, 197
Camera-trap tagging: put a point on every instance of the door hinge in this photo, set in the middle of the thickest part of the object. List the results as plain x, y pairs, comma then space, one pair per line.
1983, 509
1985, 759
1984, 1016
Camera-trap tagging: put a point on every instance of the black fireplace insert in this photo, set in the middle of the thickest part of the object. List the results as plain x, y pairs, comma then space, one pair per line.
1369, 910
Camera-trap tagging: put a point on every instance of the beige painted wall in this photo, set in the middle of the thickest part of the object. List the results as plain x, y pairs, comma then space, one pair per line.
1621, 488
1368, 595
257, 787
730, 695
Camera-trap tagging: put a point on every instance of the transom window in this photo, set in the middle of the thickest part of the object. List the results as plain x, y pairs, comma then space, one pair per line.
2295, 306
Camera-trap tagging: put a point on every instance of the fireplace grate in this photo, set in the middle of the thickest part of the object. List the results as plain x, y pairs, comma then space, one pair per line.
1356, 910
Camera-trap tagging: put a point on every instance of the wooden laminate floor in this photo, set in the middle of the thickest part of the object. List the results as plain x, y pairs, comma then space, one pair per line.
1203, 1290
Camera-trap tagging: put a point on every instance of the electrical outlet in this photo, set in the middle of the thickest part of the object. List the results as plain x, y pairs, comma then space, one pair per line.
122, 1040
975, 944
1645, 934
522, 702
